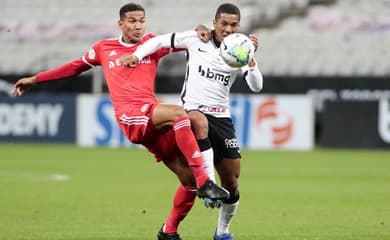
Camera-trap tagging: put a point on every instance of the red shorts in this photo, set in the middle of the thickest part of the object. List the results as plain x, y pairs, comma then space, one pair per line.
138, 127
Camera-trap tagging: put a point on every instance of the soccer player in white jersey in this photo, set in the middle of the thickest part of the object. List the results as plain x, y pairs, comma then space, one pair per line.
205, 96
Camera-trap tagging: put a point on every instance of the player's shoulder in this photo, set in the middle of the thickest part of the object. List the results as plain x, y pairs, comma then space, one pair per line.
148, 36
109, 40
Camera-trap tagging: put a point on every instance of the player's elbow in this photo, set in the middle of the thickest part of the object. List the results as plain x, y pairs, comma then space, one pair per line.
256, 89
256, 86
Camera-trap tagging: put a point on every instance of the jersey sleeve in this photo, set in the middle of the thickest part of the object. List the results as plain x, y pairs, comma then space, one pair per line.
183, 39
158, 46
253, 77
92, 57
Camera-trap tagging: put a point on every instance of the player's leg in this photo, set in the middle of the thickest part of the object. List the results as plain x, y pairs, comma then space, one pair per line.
165, 115
227, 163
171, 115
229, 171
200, 127
183, 200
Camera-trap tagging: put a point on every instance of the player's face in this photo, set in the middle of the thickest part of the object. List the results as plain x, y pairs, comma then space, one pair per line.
133, 26
226, 24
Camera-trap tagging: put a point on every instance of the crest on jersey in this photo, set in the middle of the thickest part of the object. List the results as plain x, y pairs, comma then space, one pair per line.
91, 53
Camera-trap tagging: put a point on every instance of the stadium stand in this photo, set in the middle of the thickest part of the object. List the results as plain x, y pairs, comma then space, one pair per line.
298, 37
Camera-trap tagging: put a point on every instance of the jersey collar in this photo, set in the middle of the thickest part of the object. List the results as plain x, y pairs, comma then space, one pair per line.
125, 44
216, 43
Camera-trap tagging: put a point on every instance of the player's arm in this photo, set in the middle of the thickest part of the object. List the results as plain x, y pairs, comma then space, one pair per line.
154, 44
67, 70
147, 48
178, 41
253, 76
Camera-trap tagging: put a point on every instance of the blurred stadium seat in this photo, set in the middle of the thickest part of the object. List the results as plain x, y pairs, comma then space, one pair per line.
298, 37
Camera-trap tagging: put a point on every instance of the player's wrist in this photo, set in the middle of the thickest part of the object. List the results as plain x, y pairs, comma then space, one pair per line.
252, 64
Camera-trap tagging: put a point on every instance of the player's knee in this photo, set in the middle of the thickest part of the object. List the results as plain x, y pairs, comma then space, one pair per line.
178, 112
186, 177
233, 198
201, 130
231, 186
199, 124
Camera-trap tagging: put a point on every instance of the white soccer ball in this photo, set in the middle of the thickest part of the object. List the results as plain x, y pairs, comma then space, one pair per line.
237, 50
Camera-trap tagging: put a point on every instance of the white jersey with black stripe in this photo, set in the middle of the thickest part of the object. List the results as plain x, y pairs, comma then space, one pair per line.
208, 78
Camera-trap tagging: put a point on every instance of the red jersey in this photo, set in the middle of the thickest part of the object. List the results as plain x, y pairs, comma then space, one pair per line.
127, 86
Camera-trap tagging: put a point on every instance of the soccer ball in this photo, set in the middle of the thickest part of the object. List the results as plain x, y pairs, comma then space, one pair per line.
237, 50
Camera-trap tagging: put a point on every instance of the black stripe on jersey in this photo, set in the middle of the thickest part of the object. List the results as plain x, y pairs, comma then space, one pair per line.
245, 74
173, 40
184, 89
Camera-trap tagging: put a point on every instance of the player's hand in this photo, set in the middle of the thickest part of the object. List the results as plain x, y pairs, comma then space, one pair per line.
24, 84
204, 33
129, 60
254, 40
211, 203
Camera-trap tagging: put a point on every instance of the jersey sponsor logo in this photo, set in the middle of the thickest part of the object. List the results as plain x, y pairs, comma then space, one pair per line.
196, 154
203, 108
215, 75
112, 64
231, 143
91, 54
145, 60
144, 107
202, 50
117, 62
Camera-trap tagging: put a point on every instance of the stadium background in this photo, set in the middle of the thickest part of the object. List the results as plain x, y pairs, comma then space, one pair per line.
326, 69
335, 53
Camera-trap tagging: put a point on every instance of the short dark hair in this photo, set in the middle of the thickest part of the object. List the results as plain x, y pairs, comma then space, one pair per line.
227, 8
130, 7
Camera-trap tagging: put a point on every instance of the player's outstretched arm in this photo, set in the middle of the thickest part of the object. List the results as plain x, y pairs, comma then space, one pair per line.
163, 41
67, 70
147, 48
24, 84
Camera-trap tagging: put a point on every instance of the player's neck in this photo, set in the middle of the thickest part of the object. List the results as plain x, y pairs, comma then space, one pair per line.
128, 40
214, 37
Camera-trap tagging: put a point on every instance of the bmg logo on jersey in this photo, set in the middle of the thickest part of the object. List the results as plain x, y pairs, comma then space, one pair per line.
215, 75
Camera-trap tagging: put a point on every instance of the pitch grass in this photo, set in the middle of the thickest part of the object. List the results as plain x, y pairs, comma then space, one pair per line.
123, 194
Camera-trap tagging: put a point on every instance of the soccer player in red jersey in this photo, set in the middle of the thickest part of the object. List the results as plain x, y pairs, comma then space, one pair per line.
164, 129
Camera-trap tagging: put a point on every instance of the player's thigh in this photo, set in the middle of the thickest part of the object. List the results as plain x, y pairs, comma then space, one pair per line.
229, 171
180, 167
199, 124
165, 114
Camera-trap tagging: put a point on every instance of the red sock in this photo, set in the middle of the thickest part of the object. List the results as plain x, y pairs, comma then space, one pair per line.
187, 144
182, 203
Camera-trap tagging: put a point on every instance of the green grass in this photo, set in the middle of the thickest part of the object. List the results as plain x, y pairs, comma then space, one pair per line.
123, 194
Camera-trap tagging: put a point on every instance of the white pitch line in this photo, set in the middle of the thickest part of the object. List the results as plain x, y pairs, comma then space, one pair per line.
31, 176
59, 177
